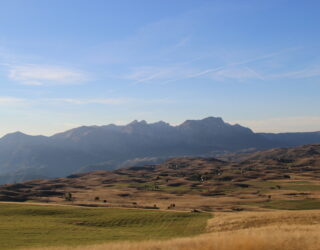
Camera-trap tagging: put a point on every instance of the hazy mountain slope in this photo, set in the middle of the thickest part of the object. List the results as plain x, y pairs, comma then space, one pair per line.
139, 139
22, 151
111, 146
293, 139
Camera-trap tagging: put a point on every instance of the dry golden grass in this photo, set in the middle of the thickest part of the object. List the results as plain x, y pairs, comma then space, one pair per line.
278, 230
249, 220
265, 238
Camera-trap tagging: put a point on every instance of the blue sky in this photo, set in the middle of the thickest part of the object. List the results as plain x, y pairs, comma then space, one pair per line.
83, 62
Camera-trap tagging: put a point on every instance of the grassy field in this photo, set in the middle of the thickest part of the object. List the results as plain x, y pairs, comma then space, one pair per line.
272, 230
40, 226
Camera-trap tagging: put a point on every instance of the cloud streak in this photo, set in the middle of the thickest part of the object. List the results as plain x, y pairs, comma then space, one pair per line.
182, 72
241, 70
103, 101
234, 73
14, 101
38, 75
304, 73
111, 101
9, 101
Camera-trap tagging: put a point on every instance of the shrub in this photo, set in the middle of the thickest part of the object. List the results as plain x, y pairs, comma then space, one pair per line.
68, 196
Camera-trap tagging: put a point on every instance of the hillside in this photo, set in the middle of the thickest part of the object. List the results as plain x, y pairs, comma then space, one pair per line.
83, 149
286, 178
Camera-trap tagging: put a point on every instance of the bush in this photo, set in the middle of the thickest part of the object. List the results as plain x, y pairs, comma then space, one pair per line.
68, 196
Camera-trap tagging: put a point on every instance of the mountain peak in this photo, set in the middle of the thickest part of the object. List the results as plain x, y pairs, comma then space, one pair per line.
18, 138
217, 121
161, 124
213, 119
136, 122
16, 134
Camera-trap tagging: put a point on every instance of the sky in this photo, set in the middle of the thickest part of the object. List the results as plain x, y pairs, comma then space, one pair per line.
65, 64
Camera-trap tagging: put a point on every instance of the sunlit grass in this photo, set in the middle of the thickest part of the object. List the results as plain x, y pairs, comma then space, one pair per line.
276, 230
32, 225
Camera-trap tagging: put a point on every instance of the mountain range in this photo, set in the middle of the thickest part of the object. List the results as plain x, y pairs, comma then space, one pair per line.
87, 148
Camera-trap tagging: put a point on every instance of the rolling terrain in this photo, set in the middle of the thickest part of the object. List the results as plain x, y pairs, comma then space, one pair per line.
267, 200
286, 178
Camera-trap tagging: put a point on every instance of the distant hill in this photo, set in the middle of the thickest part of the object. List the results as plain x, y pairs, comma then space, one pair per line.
283, 178
87, 148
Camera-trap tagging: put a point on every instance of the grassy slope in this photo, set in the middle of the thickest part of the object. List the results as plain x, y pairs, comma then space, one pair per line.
32, 225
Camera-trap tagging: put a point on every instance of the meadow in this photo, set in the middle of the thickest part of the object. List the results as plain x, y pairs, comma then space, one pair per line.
268, 230
25, 226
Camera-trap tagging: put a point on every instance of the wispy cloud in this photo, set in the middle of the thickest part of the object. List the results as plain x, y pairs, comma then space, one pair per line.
104, 101
241, 70
313, 71
182, 42
45, 75
108, 101
181, 72
234, 73
237, 70
15, 101
158, 74
9, 101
